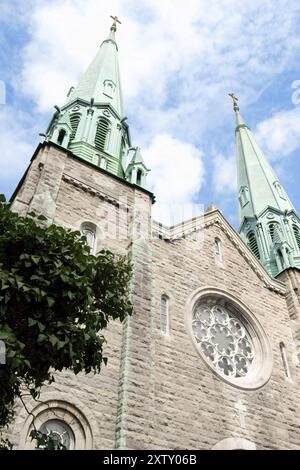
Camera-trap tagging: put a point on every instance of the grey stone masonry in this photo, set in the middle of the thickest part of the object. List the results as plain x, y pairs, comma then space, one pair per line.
158, 391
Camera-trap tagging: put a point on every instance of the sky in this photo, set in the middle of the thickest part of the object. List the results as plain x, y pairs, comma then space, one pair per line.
178, 60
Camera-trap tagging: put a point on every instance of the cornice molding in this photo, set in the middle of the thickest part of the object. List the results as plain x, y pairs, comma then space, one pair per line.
93, 191
215, 218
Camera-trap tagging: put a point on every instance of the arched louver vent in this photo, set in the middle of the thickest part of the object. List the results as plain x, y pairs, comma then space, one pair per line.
272, 229
74, 118
101, 135
297, 235
252, 243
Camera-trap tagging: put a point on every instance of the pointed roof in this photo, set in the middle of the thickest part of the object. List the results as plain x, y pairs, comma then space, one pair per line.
256, 178
137, 158
101, 81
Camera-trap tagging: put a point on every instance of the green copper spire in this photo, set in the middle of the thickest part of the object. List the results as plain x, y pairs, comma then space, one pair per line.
92, 124
101, 81
269, 223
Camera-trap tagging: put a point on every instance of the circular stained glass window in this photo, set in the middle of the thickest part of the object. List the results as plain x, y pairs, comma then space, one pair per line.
229, 337
223, 339
60, 432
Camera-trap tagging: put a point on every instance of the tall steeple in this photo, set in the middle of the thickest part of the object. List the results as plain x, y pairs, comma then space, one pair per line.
268, 220
92, 124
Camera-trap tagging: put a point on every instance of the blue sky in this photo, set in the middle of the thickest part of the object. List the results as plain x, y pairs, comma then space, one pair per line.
178, 62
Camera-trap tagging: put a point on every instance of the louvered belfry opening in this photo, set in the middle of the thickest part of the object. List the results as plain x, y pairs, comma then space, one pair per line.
252, 243
272, 229
101, 135
74, 118
297, 235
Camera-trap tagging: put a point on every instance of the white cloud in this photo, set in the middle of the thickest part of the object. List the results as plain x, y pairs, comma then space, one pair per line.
280, 134
225, 174
178, 62
16, 131
178, 176
199, 51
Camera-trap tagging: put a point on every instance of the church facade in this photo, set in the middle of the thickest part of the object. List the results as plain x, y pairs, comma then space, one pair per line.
210, 357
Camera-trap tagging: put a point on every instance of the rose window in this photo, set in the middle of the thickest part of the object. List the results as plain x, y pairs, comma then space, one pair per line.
223, 339
59, 432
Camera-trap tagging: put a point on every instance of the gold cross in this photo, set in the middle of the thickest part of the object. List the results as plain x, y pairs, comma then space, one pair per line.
234, 98
116, 20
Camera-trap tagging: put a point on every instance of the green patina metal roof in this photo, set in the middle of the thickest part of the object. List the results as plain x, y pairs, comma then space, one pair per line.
92, 124
101, 81
267, 216
256, 176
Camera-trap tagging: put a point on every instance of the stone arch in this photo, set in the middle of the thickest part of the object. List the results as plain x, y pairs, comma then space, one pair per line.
234, 443
57, 405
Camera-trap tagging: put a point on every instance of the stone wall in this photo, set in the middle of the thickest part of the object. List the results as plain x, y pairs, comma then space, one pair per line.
157, 391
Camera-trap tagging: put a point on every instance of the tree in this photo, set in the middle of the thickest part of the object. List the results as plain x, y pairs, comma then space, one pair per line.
55, 300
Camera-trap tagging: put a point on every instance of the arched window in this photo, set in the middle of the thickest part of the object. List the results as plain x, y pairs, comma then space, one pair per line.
101, 137
90, 233
284, 360
60, 432
218, 250
297, 235
74, 118
252, 243
164, 315
139, 177
63, 421
61, 136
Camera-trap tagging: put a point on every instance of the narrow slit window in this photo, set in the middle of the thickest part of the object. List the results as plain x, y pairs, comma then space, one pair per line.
164, 315
139, 177
218, 250
284, 360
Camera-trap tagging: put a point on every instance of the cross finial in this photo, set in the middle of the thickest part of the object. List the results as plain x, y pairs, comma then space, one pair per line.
235, 101
116, 20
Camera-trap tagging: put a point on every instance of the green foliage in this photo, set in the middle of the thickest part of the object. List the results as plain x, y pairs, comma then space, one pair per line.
55, 299
44, 442
5, 444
